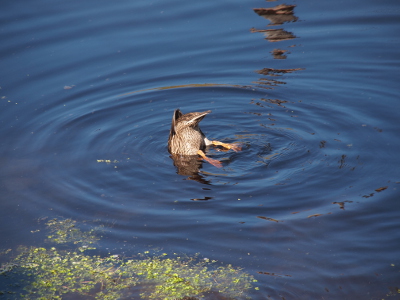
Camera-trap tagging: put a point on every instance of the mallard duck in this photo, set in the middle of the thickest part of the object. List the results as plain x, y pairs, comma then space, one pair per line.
186, 137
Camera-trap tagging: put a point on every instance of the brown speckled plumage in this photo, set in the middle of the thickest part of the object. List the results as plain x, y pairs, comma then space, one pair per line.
185, 136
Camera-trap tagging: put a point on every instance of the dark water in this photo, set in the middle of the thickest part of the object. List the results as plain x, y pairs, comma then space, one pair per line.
310, 206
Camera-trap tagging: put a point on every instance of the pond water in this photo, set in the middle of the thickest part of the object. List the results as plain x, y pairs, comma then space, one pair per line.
310, 206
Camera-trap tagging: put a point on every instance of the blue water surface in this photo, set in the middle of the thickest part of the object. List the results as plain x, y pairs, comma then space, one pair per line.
309, 206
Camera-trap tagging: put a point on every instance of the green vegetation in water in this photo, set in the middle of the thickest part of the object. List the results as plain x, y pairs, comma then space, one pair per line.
50, 273
65, 231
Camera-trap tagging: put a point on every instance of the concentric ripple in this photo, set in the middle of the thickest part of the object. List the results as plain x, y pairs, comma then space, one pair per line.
116, 145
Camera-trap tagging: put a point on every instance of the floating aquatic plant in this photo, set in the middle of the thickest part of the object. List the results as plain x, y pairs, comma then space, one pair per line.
51, 273
65, 231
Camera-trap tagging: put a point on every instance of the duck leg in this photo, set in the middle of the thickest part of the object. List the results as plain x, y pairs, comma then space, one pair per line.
234, 147
214, 162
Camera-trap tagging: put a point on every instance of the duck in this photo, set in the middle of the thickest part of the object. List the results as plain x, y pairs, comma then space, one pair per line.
186, 137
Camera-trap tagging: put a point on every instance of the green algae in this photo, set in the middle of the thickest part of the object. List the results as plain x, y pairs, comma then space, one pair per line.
52, 273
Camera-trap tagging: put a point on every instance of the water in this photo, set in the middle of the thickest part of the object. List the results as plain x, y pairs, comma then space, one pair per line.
300, 207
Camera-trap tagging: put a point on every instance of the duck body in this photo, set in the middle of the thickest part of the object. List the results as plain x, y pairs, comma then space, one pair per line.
185, 136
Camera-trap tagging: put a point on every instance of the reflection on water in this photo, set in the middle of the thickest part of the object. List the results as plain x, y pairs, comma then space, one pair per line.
271, 82
275, 35
271, 101
189, 165
279, 53
277, 15
190, 85
277, 72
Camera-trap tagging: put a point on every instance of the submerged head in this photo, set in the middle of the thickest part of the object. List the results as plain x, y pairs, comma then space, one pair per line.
185, 136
